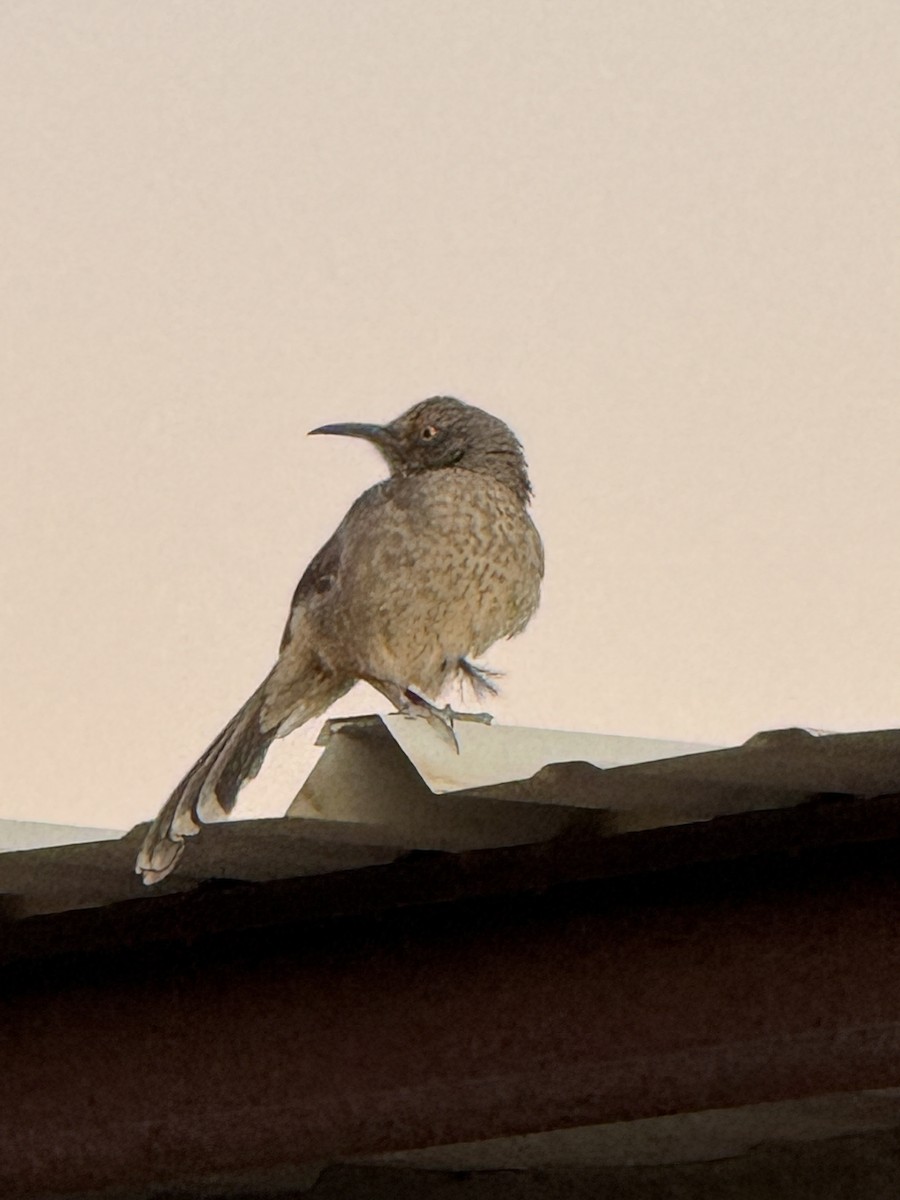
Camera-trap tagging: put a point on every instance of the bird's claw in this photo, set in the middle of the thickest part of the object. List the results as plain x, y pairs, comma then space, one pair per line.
440, 719
483, 718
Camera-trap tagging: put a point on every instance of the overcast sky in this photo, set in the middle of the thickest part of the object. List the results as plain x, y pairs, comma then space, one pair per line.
660, 240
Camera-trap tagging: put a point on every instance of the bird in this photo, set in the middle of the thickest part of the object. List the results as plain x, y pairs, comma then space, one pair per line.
428, 569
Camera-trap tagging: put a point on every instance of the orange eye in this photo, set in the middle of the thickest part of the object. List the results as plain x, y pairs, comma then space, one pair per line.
428, 433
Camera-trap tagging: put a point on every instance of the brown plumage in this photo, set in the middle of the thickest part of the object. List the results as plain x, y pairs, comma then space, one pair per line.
427, 570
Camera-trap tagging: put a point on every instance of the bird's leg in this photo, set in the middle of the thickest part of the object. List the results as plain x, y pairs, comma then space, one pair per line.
440, 719
411, 704
446, 715
483, 718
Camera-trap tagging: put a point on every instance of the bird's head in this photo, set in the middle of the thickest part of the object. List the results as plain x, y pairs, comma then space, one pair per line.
442, 432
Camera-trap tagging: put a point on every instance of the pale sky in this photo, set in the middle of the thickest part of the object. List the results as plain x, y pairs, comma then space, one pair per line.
660, 239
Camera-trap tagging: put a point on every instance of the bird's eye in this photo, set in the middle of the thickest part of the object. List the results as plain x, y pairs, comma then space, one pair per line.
428, 433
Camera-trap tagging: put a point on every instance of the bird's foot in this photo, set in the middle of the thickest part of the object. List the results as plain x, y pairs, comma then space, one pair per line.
440, 719
483, 718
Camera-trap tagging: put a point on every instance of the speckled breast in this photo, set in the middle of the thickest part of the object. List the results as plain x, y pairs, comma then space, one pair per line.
439, 567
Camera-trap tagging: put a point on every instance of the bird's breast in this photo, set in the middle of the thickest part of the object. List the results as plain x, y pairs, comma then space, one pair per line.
434, 567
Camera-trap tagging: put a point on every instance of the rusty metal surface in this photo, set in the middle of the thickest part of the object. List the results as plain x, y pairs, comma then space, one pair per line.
362, 873
314, 1039
369, 799
714, 1133
391, 969
497, 760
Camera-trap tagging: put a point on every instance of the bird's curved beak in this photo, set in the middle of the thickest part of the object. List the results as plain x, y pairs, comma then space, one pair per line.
372, 433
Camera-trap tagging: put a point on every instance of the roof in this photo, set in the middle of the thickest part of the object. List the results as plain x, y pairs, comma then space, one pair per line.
385, 787
638, 956
32, 835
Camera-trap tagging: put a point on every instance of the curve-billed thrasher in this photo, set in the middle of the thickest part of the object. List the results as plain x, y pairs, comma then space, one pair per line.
426, 571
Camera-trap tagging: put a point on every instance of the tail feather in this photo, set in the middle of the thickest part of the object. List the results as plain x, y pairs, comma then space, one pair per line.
209, 790
300, 686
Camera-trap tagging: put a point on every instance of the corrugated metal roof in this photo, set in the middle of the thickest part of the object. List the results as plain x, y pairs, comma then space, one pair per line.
32, 835
531, 941
680, 1138
386, 786
492, 754
390, 765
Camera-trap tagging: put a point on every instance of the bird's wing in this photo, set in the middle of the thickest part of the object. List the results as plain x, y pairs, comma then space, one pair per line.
316, 580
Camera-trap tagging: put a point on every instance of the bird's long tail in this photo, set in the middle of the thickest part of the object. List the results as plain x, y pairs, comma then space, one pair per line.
209, 790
